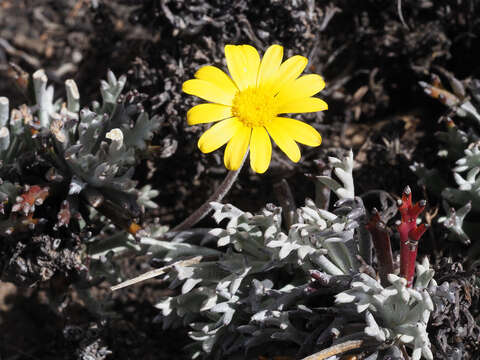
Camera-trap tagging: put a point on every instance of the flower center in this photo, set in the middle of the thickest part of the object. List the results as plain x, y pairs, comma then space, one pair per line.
254, 107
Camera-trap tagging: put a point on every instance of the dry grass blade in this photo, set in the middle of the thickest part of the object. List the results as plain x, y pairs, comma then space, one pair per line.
152, 273
335, 350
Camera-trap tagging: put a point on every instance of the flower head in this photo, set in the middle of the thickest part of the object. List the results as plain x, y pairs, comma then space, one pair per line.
247, 105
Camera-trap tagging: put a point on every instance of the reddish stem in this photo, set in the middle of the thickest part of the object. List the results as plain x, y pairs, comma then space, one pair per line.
381, 243
410, 233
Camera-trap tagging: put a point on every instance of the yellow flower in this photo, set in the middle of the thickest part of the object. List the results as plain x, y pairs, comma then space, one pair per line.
246, 106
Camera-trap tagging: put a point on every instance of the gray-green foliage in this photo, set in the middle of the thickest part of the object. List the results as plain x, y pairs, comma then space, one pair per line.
454, 222
92, 147
233, 300
459, 154
251, 289
86, 156
343, 169
395, 313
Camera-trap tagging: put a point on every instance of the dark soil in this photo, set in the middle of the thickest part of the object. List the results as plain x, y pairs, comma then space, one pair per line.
371, 61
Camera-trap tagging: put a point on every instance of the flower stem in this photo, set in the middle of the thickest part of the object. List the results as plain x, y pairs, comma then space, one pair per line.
218, 195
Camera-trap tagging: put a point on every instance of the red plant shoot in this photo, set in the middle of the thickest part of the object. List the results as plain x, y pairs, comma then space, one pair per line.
381, 243
410, 233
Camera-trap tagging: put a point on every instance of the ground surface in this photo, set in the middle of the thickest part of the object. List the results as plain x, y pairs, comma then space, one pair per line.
372, 63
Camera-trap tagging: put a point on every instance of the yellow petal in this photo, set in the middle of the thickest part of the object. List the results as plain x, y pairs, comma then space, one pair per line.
207, 91
289, 71
218, 135
299, 131
207, 113
284, 140
252, 61
236, 65
309, 104
303, 87
243, 62
237, 147
218, 77
270, 64
260, 150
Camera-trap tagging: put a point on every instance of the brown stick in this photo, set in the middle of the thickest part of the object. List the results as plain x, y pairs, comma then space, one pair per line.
335, 350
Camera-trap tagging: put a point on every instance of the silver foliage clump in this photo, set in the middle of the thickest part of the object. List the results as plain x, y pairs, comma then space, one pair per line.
466, 177
395, 313
94, 148
217, 287
253, 287
453, 221
343, 169
322, 239
459, 153
87, 156
232, 302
